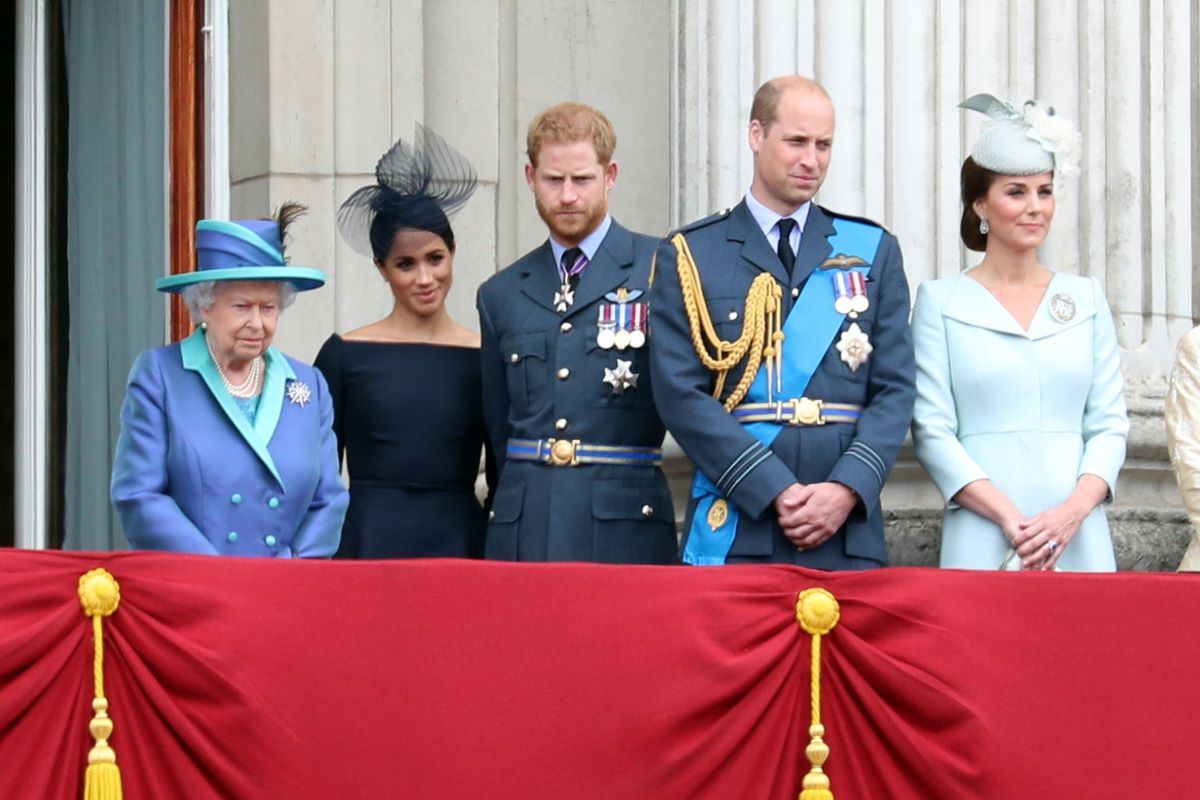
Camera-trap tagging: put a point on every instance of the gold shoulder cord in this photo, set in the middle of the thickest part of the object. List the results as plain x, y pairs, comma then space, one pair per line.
762, 333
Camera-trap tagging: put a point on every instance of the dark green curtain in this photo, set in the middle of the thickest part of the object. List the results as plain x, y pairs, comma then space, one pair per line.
116, 236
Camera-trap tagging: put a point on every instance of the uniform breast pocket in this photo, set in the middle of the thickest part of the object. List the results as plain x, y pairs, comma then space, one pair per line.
617, 378
727, 316
525, 371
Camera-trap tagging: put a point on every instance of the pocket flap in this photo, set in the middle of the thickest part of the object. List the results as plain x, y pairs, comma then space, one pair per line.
620, 500
518, 347
506, 505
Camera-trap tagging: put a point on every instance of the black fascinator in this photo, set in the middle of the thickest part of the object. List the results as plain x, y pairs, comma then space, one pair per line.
418, 186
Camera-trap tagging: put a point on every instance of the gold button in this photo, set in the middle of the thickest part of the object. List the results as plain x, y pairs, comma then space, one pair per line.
647, 511
560, 424
565, 327
514, 358
564, 373
795, 292
732, 316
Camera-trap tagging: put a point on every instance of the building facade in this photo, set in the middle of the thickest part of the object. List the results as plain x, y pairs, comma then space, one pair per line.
303, 96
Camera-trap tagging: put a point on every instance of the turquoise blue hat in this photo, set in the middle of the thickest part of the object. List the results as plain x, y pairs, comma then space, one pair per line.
241, 250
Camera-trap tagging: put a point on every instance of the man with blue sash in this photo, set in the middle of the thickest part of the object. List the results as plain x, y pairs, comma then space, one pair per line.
783, 359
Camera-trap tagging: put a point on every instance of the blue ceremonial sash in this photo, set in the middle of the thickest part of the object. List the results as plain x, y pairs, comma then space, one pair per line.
808, 332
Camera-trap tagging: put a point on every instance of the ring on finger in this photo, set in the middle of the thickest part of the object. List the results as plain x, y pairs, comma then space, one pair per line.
1052, 545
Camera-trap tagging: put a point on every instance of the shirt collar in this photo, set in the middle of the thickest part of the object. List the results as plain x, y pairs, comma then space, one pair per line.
767, 219
589, 245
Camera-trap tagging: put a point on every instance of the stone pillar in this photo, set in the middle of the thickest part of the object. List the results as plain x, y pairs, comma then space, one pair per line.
1126, 72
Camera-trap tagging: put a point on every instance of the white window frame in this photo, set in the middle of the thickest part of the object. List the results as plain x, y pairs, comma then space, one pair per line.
32, 385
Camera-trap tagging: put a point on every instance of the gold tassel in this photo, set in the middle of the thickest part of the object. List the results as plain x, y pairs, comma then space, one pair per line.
818, 613
100, 594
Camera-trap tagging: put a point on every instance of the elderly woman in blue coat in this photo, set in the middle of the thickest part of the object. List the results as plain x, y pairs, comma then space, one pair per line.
1020, 414
226, 444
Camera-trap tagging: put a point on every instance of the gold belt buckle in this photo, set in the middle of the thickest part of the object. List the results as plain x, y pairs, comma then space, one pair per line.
562, 452
806, 411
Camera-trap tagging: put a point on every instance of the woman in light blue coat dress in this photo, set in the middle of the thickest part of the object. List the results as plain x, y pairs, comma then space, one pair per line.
1020, 414
226, 444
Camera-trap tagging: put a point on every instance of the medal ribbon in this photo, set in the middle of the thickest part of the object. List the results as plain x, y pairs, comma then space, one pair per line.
808, 332
565, 273
858, 283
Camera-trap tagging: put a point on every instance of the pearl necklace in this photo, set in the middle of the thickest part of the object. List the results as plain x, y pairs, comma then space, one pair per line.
247, 388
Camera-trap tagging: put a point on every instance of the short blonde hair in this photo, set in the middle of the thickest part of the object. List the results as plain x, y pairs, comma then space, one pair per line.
571, 122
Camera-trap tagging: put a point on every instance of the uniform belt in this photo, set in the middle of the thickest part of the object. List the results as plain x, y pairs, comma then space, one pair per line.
572, 452
797, 411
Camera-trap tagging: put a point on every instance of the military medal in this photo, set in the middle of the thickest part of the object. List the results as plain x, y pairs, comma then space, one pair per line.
1062, 307
565, 296
858, 293
841, 291
854, 346
621, 378
850, 290
607, 326
637, 332
621, 337
718, 513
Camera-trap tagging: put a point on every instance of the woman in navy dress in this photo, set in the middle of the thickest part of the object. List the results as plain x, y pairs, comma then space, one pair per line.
406, 389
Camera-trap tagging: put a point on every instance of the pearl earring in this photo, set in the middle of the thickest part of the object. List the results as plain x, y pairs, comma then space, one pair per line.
203, 326
983, 226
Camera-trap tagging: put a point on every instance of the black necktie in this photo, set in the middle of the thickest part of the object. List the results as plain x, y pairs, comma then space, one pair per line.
785, 244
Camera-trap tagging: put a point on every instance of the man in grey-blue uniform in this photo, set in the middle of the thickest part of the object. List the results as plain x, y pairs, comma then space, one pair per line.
567, 396
783, 360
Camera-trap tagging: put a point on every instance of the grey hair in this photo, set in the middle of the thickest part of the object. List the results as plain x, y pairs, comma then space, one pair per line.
199, 297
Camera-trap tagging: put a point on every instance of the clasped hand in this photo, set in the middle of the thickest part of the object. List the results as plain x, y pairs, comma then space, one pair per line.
1041, 539
810, 514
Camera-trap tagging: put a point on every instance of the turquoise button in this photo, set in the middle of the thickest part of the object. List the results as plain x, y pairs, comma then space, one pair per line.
270, 540
237, 498
273, 502
232, 537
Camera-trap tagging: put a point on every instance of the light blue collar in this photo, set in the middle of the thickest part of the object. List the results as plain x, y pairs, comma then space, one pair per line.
768, 220
196, 358
589, 245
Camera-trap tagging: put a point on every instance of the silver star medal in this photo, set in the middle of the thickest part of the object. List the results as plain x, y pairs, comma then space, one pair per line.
854, 347
563, 298
299, 393
621, 378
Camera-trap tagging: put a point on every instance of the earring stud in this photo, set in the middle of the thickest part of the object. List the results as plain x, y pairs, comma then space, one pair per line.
983, 226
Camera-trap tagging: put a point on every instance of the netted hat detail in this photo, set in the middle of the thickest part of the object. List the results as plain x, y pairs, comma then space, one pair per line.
420, 185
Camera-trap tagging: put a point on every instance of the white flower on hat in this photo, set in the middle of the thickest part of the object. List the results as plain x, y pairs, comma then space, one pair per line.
1057, 136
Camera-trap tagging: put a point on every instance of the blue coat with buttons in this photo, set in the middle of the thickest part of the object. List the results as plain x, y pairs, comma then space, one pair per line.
730, 251
543, 378
193, 474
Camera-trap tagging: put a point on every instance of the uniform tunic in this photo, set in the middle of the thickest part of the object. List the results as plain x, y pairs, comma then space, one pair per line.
1031, 411
730, 251
543, 378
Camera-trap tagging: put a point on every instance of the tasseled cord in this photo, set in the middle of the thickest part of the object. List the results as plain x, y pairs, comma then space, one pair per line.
100, 595
817, 612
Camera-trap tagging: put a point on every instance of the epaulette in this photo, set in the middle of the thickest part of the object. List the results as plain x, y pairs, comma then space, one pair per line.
700, 223
853, 218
